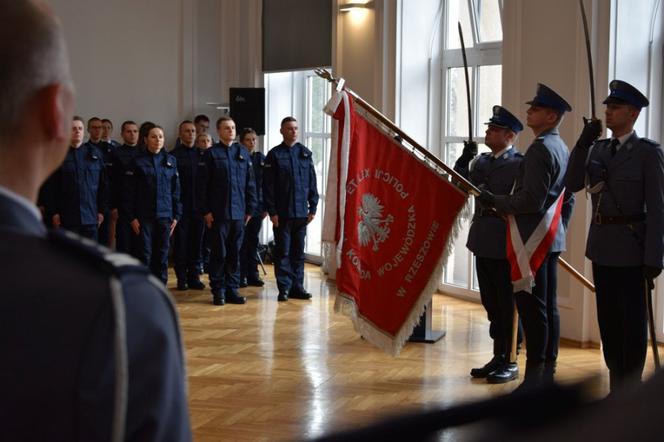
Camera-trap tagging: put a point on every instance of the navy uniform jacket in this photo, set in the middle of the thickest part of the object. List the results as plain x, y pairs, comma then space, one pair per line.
93, 339
81, 187
121, 159
487, 235
153, 187
229, 192
635, 178
258, 161
289, 182
106, 150
540, 181
190, 162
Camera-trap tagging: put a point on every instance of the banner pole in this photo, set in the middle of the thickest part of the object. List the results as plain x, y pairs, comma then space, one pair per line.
466, 185
463, 183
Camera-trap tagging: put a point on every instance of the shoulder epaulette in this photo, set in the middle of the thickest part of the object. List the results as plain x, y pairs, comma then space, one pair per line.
649, 141
107, 260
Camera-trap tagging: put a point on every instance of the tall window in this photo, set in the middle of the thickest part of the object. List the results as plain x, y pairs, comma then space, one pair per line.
481, 22
302, 94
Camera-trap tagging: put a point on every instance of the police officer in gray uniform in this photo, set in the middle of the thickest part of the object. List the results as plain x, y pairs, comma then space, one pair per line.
540, 182
624, 175
91, 346
291, 197
495, 171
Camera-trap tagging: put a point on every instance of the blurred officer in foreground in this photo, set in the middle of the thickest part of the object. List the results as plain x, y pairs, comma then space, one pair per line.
291, 199
496, 172
540, 182
625, 176
229, 198
122, 157
189, 232
80, 187
152, 202
96, 354
249, 251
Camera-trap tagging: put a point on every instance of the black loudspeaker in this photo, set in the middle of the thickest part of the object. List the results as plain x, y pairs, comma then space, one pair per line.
248, 108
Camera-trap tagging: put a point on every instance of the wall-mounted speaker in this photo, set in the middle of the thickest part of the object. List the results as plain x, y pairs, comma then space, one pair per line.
248, 108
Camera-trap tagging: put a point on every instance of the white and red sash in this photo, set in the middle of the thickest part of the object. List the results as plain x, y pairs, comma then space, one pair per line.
526, 259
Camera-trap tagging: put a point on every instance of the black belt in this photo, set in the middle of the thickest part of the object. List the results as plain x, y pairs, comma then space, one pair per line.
618, 219
487, 212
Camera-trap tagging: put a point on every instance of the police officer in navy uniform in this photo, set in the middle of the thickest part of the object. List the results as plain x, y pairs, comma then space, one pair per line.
123, 156
291, 199
229, 199
95, 131
106, 133
91, 347
80, 187
495, 171
152, 202
540, 181
188, 235
624, 175
249, 251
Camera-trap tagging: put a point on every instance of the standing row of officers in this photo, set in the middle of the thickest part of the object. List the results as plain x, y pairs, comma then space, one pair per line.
211, 198
624, 176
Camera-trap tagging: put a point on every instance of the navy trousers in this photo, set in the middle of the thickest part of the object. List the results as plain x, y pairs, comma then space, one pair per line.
154, 244
289, 254
623, 323
224, 267
539, 314
248, 252
497, 297
187, 241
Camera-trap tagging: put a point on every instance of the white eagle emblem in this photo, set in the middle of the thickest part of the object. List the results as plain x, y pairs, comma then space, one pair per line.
372, 227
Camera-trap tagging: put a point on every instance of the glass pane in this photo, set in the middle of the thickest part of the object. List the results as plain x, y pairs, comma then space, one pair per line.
457, 102
317, 146
457, 271
490, 92
458, 12
488, 17
315, 232
317, 88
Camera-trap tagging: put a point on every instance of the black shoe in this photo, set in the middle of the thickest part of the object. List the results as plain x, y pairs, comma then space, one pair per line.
196, 284
243, 282
218, 299
283, 296
183, 286
490, 366
505, 373
300, 294
255, 282
234, 298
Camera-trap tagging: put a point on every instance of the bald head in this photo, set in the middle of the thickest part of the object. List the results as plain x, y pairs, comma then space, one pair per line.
33, 54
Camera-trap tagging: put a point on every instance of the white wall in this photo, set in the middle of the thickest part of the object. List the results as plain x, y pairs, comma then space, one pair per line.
161, 60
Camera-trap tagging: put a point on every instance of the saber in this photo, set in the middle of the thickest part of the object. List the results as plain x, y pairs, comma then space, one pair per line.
651, 321
591, 73
465, 70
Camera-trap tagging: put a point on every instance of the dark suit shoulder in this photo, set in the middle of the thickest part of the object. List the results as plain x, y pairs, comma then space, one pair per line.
649, 141
100, 257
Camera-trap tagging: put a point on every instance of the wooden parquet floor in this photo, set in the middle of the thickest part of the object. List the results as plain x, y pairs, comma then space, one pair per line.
286, 371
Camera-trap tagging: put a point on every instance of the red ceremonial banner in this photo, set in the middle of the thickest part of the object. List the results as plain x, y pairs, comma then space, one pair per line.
396, 219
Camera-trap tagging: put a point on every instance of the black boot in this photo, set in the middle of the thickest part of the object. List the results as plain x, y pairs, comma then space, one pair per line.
232, 297
218, 299
508, 371
492, 365
534, 376
549, 371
